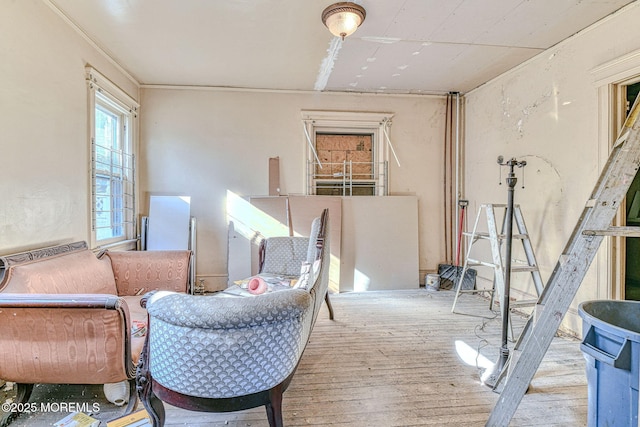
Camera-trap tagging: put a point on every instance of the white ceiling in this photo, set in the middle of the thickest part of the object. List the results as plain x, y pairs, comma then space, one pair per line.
404, 46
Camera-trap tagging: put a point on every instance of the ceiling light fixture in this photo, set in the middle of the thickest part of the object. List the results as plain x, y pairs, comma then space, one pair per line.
343, 18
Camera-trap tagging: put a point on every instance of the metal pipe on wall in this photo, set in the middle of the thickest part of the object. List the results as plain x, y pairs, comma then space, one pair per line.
452, 185
457, 166
445, 182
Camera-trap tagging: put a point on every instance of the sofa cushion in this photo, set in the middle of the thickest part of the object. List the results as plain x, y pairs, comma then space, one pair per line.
138, 272
284, 255
77, 272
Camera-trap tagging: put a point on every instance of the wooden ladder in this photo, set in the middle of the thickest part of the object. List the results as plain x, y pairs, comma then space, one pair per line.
573, 263
496, 239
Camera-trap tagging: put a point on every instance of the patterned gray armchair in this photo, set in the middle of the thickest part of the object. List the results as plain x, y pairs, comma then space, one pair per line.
282, 256
217, 354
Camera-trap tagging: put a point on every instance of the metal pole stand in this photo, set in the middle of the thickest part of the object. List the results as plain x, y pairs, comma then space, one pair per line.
492, 378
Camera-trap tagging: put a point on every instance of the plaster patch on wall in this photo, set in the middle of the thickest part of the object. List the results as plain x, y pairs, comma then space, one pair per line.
505, 104
531, 109
525, 113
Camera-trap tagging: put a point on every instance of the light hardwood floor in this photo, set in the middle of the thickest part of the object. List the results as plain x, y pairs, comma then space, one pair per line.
393, 358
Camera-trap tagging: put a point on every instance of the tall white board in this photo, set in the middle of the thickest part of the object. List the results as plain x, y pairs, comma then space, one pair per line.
168, 223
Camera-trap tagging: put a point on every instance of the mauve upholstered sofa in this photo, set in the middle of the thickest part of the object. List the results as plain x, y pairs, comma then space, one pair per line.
66, 315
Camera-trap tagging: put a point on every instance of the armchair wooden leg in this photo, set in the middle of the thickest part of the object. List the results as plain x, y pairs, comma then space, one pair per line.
155, 408
144, 388
329, 306
153, 405
274, 407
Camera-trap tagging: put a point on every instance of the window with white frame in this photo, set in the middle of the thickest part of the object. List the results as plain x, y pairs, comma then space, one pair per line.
347, 152
112, 116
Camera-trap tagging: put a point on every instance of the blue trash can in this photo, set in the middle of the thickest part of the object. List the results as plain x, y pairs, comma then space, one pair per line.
611, 347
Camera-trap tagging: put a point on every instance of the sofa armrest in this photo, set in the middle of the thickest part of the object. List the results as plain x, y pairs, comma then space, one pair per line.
87, 334
100, 301
138, 272
214, 347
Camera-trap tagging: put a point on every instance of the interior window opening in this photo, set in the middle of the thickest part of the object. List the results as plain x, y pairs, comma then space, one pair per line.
112, 137
347, 153
348, 166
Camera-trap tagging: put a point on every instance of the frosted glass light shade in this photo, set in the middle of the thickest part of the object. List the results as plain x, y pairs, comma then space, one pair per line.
343, 19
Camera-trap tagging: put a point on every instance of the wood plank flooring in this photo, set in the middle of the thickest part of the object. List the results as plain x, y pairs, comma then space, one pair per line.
392, 358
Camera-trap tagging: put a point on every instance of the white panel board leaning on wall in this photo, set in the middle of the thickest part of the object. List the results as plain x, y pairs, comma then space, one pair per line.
379, 243
168, 223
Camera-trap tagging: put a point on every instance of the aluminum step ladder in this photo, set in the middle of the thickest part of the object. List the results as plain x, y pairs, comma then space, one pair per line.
497, 263
573, 263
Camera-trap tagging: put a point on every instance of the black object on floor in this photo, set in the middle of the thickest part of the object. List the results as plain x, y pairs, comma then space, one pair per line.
450, 275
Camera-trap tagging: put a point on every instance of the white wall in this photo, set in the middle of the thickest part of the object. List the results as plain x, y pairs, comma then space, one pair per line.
195, 142
44, 152
546, 112
203, 143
